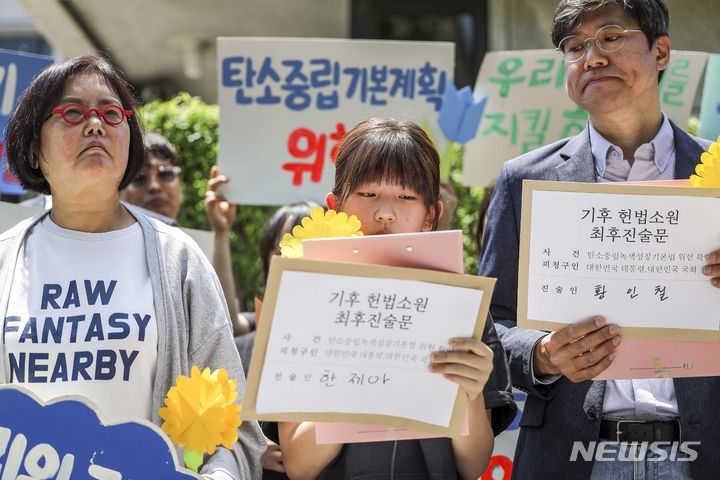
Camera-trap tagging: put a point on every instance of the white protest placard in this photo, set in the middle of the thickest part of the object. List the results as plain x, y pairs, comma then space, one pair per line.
352, 343
204, 240
528, 106
285, 103
680, 83
632, 253
12, 213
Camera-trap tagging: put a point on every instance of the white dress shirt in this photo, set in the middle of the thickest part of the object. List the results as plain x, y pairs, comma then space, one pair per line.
646, 398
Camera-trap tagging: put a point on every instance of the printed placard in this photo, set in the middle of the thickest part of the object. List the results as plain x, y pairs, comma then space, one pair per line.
528, 107
285, 104
352, 344
632, 253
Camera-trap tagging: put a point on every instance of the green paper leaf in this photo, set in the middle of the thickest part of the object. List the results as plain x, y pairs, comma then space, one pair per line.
193, 459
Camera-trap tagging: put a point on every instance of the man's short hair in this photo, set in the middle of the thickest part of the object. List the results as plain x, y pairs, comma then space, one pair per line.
652, 16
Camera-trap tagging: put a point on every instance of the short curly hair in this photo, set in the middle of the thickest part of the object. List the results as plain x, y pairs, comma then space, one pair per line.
22, 138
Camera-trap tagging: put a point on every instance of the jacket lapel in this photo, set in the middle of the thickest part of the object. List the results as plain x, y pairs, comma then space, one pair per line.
576, 163
687, 153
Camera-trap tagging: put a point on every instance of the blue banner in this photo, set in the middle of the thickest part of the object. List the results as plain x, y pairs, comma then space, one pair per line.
17, 70
66, 440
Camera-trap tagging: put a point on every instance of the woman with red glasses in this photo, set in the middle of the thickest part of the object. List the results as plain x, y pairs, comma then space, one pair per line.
144, 301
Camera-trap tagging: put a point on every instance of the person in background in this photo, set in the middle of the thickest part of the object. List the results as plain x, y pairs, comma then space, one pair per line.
75, 134
157, 187
221, 214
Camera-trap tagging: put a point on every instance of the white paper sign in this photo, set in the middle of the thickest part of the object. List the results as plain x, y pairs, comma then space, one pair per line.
528, 106
286, 103
680, 83
12, 214
636, 259
363, 346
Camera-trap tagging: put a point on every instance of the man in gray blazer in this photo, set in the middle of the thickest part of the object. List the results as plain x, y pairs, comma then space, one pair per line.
615, 52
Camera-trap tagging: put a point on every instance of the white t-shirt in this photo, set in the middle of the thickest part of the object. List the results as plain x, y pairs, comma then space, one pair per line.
81, 319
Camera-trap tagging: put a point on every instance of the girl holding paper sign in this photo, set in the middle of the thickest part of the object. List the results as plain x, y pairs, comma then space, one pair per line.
388, 175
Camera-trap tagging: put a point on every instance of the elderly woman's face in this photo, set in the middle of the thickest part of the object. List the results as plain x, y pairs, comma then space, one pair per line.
92, 154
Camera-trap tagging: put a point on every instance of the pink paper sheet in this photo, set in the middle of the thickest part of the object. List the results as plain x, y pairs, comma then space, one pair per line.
663, 359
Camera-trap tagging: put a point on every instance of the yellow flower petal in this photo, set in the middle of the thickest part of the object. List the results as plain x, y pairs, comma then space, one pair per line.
291, 247
200, 412
319, 224
708, 171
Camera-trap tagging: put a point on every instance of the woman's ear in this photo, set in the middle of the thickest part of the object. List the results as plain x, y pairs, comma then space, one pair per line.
330, 200
431, 220
34, 155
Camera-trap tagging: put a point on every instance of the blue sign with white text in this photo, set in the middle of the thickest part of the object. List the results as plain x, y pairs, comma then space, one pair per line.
66, 440
17, 70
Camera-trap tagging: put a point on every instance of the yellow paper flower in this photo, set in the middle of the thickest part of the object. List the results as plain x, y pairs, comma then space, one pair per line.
708, 172
200, 412
319, 224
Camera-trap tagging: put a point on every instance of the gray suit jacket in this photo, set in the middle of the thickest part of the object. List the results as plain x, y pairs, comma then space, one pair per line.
558, 414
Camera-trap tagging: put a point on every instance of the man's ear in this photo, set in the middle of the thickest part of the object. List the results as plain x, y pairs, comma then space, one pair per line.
330, 200
662, 45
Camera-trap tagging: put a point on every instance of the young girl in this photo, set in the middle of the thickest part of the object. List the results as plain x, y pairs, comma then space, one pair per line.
388, 174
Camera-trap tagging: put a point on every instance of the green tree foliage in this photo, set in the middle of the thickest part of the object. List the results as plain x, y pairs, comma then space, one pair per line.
192, 126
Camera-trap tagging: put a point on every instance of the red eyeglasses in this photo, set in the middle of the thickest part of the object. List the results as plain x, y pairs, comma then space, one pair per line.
75, 114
